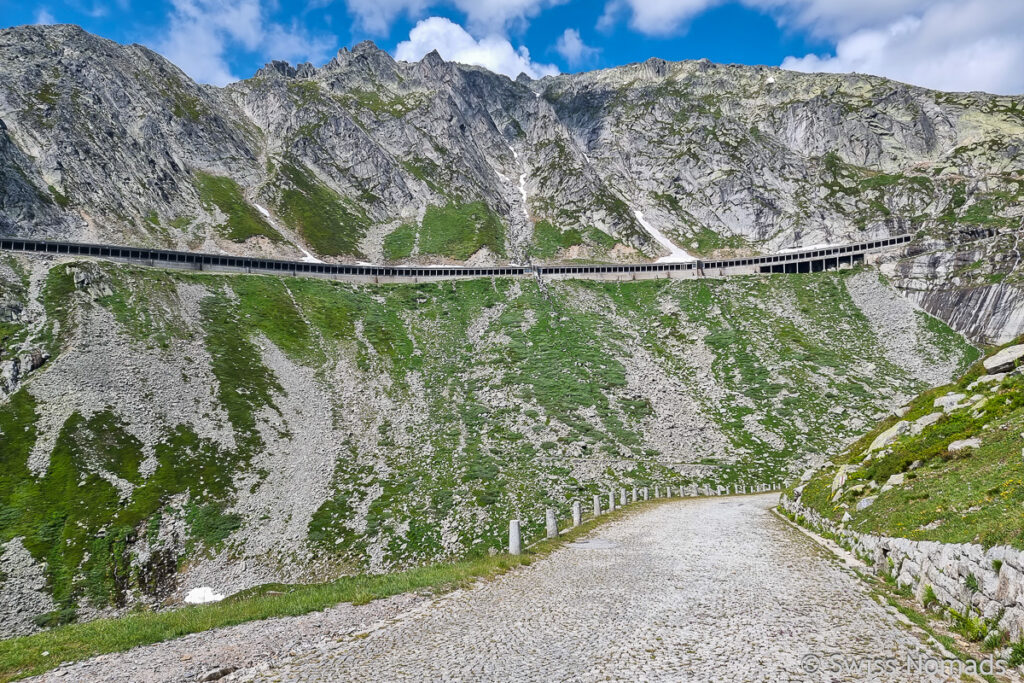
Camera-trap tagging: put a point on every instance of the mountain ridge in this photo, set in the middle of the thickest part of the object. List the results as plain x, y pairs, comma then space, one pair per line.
374, 159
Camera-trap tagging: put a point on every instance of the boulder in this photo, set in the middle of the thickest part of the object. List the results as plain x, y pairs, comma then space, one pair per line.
840, 478
889, 435
950, 402
986, 380
866, 503
963, 444
924, 421
893, 481
1005, 361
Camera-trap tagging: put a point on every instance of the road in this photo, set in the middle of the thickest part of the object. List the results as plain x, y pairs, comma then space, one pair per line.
714, 589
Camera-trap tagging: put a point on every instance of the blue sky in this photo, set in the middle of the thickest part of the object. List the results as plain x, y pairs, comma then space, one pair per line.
945, 44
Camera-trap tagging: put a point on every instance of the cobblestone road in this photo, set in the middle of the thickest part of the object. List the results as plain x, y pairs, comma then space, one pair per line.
703, 590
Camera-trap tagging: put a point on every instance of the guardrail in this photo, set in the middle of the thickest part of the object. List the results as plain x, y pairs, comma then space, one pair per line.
515, 538
809, 260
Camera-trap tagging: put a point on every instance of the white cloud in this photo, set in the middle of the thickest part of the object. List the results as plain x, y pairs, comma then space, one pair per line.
483, 17
44, 17
573, 49
455, 44
493, 16
376, 16
200, 32
950, 45
944, 44
653, 17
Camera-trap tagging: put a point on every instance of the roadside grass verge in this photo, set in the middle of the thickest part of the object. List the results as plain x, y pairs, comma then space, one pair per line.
41, 652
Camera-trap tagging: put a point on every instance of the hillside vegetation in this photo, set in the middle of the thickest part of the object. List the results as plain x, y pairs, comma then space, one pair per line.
182, 424
953, 464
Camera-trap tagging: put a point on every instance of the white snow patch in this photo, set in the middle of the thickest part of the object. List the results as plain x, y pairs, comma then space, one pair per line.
770, 79
676, 255
809, 248
308, 258
202, 595
522, 188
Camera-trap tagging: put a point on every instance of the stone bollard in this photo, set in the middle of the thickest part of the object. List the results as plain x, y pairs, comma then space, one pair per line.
633, 499
597, 505
645, 493
622, 497
611, 501
552, 524
577, 514
514, 538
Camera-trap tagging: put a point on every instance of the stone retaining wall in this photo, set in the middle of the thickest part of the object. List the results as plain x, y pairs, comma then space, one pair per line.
946, 567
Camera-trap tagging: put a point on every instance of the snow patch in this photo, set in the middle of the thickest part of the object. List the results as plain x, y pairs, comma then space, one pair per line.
809, 248
308, 258
202, 596
522, 189
676, 255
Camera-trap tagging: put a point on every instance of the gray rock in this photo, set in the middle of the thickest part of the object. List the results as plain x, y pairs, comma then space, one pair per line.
964, 444
889, 436
950, 402
1005, 361
893, 481
865, 503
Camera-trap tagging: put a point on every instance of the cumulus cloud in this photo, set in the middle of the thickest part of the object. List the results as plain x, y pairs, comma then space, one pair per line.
952, 45
376, 16
200, 32
571, 46
653, 17
44, 17
943, 44
455, 44
483, 17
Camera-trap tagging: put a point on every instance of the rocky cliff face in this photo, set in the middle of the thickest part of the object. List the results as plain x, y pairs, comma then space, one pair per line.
975, 285
369, 157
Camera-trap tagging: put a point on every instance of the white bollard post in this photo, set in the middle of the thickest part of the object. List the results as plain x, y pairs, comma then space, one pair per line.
514, 538
552, 524
657, 492
577, 515
622, 497
611, 501
597, 505
645, 493
633, 499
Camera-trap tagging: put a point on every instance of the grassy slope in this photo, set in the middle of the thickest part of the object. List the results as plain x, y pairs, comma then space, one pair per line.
968, 496
455, 231
243, 220
472, 462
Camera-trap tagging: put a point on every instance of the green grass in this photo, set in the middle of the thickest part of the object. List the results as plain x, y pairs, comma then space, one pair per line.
60, 198
400, 242
384, 103
243, 220
330, 224
38, 653
969, 496
460, 230
549, 241
439, 351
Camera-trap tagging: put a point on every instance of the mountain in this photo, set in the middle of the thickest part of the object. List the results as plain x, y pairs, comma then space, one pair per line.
369, 158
